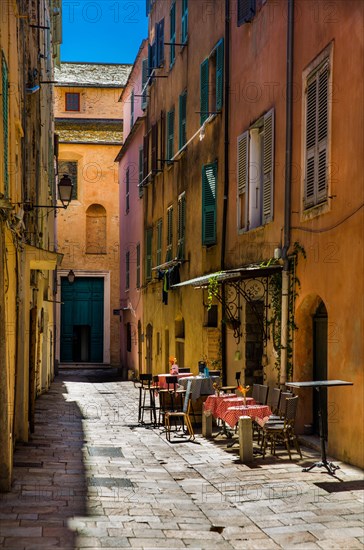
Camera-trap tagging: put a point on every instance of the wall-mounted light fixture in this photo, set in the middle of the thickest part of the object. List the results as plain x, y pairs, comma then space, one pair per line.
71, 277
65, 187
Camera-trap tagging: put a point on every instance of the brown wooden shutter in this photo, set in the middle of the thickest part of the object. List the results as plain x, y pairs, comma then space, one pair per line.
268, 166
243, 179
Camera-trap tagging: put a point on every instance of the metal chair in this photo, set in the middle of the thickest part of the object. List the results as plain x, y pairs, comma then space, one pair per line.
282, 431
231, 389
182, 416
263, 394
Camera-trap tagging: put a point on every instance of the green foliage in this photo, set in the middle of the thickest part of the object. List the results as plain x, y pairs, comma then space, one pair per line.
212, 290
275, 287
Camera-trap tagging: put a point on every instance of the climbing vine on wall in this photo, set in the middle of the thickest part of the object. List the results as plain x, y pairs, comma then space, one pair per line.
275, 287
212, 290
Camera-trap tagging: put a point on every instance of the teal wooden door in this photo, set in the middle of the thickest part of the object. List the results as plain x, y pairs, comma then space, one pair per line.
82, 320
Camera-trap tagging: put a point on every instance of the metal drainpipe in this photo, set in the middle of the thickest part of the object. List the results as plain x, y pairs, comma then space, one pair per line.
287, 195
226, 178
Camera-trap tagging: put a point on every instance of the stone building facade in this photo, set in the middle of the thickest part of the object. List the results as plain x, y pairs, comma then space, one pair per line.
90, 127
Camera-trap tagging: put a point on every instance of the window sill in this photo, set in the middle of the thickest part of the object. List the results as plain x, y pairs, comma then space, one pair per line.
315, 211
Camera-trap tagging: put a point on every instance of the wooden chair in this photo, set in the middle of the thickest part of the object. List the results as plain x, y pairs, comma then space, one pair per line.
282, 431
182, 416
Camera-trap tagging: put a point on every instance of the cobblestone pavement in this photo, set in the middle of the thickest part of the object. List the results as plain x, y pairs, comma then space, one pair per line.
91, 478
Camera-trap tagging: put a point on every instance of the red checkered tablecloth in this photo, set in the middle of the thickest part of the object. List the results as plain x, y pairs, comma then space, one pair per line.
233, 414
217, 405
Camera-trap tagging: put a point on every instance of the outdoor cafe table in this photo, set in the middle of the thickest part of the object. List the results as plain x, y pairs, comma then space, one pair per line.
319, 385
164, 377
232, 415
200, 385
217, 405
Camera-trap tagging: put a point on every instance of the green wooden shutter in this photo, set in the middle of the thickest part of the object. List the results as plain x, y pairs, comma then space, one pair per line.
184, 21
169, 253
181, 224
159, 241
144, 82
172, 34
268, 166
170, 134
182, 119
138, 265
204, 91
148, 254
155, 147
209, 185
243, 179
219, 74
5, 105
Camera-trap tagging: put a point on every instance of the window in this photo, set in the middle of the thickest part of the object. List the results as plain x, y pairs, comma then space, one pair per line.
246, 11
181, 225
148, 253
155, 147
159, 241
127, 190
209, 185
316, 139
132, 109
156, 49
140, 171
172, 34
182, 119
144, 82
96, 229
184, 21
170, 134
127, 270
255, 153
145, 156
169, 253
69, 167
138, 265
5, 109
72, 102
212, 82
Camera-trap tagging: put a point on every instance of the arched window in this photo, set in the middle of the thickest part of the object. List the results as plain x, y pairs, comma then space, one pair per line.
96, 229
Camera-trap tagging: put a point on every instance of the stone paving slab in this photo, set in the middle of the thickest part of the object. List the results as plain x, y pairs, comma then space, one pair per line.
90, 477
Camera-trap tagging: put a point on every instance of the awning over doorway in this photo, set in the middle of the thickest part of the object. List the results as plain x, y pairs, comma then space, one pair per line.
232, 275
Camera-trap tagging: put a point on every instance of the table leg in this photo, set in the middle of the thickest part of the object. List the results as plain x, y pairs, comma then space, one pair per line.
330, 467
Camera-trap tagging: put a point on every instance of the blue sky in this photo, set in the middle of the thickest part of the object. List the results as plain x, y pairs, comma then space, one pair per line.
104, 31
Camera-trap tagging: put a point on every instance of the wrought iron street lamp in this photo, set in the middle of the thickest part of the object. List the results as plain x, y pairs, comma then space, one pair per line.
65, 188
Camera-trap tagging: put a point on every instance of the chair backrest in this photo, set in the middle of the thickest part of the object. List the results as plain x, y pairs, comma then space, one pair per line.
255, 393
237, 378
184, 369
263, 394
274, 397
145, 380
156, 379
187, 397
291, 409
172, 381
282, 403
214, 373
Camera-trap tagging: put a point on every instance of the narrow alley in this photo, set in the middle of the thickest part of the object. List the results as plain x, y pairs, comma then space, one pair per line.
90, 477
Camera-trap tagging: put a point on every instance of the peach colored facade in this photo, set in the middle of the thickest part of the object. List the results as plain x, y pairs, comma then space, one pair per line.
88, 231
291, 182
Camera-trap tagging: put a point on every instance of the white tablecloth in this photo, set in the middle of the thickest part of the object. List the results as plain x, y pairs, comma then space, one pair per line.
199, 386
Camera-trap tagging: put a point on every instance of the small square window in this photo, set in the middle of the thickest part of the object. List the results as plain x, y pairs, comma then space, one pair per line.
72, 102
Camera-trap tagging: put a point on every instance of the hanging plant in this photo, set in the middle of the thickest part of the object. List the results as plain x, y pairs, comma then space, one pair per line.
212, 290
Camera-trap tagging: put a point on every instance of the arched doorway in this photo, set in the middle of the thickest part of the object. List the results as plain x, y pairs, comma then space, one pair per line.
320, 365
149, 349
